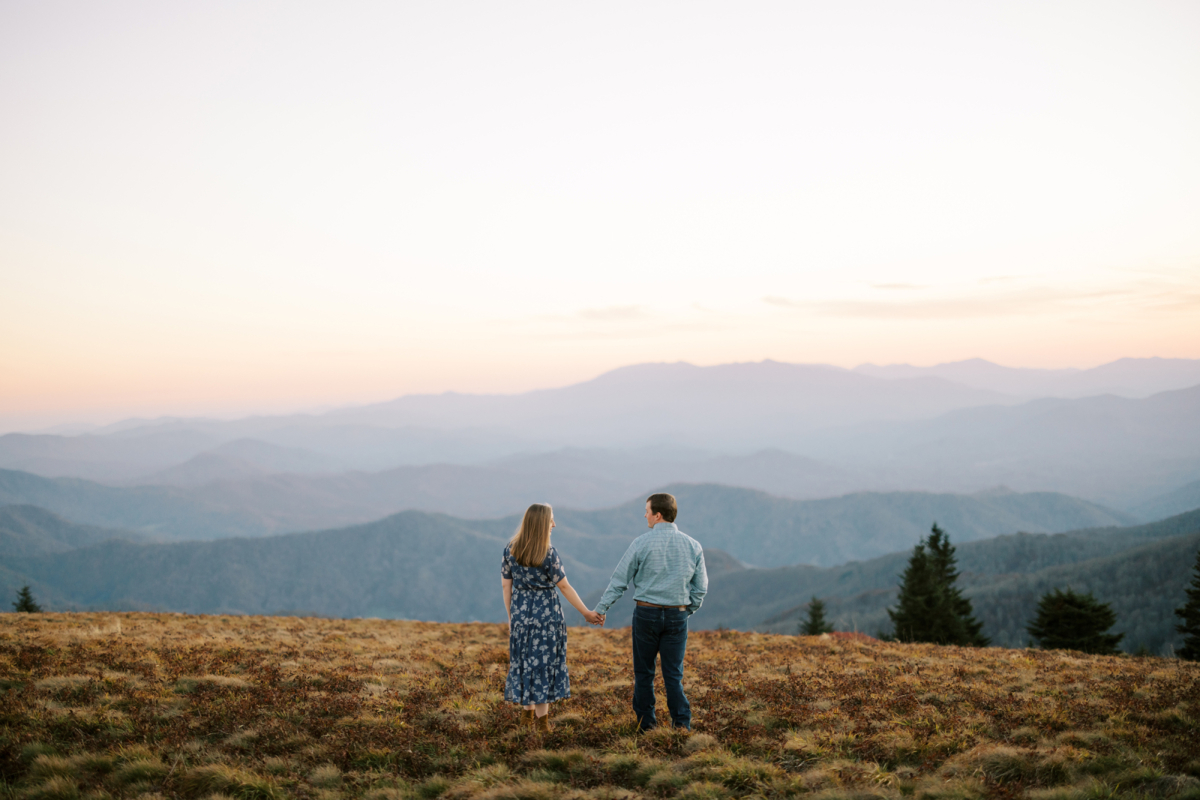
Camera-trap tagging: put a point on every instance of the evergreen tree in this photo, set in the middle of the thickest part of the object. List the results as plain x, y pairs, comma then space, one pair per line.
25, 601
815, 624
1071, 621
930, 607
924, 611
1189, 612
946, 572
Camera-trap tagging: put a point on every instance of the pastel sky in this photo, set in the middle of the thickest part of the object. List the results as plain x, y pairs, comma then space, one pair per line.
211, 207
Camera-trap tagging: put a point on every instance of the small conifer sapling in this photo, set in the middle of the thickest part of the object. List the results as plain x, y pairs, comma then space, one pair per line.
815, 624
25, 602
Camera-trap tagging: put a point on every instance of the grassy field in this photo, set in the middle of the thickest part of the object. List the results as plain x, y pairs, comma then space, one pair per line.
159, 705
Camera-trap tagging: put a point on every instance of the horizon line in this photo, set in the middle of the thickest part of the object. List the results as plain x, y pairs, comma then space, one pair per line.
83, 428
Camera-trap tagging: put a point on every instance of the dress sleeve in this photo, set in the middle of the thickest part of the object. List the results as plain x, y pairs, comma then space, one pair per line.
506, 566
554, 567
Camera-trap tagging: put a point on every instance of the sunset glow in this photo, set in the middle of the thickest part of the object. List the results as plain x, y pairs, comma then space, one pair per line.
220, 208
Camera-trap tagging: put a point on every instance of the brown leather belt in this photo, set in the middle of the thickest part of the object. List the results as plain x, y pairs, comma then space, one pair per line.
656, 605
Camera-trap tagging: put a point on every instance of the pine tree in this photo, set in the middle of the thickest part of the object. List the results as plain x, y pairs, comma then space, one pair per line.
815, 623
1071, 621
945, 569
1189, 612
930, 607
924, 611
25, 601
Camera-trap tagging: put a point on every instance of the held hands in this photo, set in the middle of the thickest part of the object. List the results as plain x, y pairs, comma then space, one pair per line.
593, 618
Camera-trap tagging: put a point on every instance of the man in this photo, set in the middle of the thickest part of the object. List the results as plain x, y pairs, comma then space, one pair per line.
667, 568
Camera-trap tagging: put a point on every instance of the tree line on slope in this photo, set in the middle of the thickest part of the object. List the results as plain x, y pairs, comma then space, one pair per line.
1142, 570
406, 566
784, 531
932, 609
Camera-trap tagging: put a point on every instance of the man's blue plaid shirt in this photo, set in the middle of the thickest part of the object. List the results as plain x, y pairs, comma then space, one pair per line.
667, 567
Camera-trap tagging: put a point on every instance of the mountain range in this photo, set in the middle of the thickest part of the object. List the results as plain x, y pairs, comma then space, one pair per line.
725, 408
1117, 451
437, 567
1125, 377
797, 431
778, 531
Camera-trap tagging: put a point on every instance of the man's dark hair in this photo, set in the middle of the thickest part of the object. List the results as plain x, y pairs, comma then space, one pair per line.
663, 504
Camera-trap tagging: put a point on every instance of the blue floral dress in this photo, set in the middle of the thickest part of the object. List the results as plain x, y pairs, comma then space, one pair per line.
537, 639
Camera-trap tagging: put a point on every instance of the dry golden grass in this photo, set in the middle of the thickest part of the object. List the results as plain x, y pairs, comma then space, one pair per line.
96, 706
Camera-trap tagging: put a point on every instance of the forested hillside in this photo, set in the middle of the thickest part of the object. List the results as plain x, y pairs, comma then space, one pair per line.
154, 511
757, 528
1143, 585
29, 531
434, 567
1158, 572
411, 565
1141, 570
768, 531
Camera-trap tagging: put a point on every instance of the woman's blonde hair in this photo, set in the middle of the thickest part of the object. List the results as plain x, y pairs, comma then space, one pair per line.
531, 542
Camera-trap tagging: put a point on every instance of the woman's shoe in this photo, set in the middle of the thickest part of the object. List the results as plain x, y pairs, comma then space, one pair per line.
543, 724
526, 717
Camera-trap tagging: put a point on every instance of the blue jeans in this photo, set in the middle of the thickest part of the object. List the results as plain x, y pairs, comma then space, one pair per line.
659, 632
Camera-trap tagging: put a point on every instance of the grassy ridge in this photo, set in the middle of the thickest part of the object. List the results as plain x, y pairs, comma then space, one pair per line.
130, 705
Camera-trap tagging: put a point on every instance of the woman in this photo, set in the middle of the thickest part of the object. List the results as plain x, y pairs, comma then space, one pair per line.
537, 639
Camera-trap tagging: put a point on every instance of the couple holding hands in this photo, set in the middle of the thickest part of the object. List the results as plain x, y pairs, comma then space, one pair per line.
666, 567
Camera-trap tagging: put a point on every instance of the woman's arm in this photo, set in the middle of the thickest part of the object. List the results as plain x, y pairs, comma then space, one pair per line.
506, 586
573, 598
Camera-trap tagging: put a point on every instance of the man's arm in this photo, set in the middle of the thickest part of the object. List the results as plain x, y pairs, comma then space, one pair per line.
698, 587
621, 578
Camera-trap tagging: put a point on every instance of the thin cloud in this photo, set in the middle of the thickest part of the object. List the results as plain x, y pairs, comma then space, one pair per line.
782, 302
621, 323
612, 313
898, 286
647, 331
1025, 302
1174, 301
